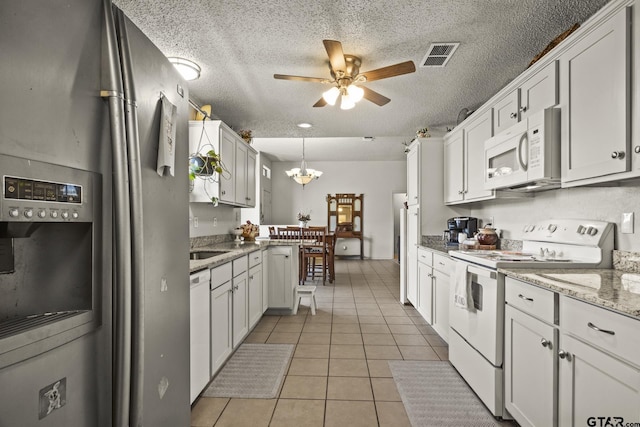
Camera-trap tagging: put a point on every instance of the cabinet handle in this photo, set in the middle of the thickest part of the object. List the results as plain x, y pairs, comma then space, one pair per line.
251, 277
224, 192
604, 331
440, 262
513, 115
564, 355
523, 109
617, 155
637, 149
460, 192
524, 298
546, 343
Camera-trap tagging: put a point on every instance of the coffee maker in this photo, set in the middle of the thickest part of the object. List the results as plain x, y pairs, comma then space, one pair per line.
467, 225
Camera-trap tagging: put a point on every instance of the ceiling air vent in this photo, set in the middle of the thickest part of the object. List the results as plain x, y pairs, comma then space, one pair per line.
439, 54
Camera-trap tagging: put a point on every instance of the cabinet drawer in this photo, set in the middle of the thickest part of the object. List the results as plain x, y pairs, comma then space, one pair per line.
618, 334
530, 299
255, 258
444, 264
425, 256
240, 265
220, 275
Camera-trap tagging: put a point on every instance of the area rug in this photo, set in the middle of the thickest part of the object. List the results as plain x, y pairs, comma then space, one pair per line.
435, 395
254, 371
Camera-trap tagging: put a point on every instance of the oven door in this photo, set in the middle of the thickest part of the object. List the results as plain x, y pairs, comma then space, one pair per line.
482, 327
506, 158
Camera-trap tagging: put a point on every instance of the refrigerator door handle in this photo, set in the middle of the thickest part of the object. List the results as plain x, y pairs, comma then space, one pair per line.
137, 235
122, 230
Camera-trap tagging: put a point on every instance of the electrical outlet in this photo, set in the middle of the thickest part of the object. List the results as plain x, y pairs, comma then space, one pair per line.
215, 222
195, 222
491, 221
626, 223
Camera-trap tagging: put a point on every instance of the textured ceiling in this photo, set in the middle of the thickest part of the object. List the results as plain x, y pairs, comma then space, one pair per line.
240, 45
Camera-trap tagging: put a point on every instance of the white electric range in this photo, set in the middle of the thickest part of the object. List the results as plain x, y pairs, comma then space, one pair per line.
476, 341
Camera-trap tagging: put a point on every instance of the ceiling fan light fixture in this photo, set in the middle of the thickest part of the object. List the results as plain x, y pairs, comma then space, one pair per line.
347, 103
187, 69
355, 93
331, 96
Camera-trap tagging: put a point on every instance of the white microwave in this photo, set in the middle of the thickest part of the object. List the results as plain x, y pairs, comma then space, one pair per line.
526, 156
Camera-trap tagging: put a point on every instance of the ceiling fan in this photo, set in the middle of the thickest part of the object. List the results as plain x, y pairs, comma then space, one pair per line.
346, 78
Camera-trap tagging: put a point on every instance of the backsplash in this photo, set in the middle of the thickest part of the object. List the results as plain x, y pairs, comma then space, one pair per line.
626, 261
504, 244
200, 241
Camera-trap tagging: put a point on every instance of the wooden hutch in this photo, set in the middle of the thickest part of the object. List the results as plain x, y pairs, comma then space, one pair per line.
344, 217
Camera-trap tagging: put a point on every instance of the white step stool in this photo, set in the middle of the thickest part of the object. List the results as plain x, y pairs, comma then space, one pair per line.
302, 291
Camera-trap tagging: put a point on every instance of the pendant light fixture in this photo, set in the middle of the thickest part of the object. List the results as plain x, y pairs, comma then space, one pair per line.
303, 175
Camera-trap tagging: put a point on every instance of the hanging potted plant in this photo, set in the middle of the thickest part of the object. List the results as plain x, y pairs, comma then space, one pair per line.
204, 164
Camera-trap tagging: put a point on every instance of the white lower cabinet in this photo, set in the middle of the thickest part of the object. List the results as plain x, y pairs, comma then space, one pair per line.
199, 332
240, 287
530, 369
255, 295
413, 235
433, 289
425, 290
599, 366
265, 280
283, 276
567, 362
441, 288
221, 315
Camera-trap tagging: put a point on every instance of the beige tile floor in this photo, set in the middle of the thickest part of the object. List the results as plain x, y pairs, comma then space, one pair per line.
339, 375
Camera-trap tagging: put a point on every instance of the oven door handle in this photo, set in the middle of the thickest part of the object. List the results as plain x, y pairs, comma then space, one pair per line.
481, 272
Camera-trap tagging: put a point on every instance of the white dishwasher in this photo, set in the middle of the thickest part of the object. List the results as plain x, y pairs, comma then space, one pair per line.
199, 331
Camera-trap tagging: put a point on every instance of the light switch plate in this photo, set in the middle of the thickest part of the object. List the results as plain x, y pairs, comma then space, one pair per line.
626, 223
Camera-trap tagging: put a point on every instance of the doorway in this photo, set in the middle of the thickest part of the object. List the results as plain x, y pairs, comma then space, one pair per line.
397, 202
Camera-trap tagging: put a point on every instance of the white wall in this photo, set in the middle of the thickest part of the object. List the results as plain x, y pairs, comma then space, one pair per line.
377, 180
597, 203
227, 218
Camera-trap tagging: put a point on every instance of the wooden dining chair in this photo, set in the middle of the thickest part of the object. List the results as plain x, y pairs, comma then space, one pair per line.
314, 252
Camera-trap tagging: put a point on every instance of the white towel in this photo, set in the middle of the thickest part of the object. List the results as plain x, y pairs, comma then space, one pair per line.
462, 296
167, 140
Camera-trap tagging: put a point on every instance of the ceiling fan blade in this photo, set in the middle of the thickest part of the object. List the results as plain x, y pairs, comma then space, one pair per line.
374, 96
299, 78
321, 103
390, 71
336, 55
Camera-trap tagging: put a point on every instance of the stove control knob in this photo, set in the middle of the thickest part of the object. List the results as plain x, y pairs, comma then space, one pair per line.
28, 213
42, 213
581, 229
75, 215
54, 214
552, 227
592, 231
14, 212
65, 214
552, 254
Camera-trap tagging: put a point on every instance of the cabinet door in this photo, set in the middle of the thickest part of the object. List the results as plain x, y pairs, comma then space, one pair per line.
596, 95
413, 174
265, 280
203, 188
241, 173
425, 292
200, 337
251, 178
255, 295
530, 369
240, 312
221, 319
441, 288
280, 287
454, 167
227, 156
540, 91
413, 232
506, 112
594, 384
476, 133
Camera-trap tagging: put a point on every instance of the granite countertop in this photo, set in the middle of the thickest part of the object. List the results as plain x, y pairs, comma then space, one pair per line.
613, 289
234, 250
438, 246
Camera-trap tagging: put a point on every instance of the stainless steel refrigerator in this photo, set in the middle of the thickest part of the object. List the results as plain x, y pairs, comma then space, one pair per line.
94, 295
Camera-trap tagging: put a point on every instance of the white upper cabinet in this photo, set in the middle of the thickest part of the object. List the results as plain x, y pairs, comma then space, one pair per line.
463, 160
538, 92
596, 101
237, 185
413, 173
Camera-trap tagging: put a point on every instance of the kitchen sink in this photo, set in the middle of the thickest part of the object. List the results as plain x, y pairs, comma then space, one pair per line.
193, 256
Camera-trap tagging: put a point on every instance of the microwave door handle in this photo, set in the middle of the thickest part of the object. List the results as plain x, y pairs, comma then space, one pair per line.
523, 162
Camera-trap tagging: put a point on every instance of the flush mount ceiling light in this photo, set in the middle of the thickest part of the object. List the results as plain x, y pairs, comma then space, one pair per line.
304, 125
187, 69
303, 175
